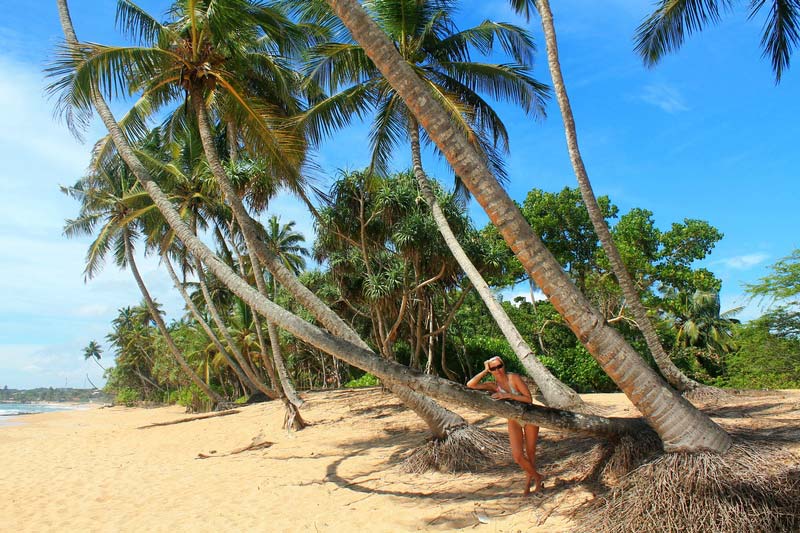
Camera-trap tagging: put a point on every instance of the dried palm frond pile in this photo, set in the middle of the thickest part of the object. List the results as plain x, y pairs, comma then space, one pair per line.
751, 488
465, 449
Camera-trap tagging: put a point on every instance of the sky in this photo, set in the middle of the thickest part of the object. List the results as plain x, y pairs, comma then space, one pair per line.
706, 134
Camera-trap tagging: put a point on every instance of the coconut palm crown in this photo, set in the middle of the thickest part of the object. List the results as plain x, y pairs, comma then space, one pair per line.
234, 54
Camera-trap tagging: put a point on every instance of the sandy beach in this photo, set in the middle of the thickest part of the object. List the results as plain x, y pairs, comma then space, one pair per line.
99, 470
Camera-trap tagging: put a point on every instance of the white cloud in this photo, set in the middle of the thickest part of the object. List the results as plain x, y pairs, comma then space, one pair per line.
743, 262
664, 96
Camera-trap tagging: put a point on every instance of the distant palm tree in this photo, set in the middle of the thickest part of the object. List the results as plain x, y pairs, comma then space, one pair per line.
112, 199
673, 20
93, 351
286, 243
700, 323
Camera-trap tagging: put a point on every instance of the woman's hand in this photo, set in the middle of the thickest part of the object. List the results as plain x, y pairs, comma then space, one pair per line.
486, 366
501, 396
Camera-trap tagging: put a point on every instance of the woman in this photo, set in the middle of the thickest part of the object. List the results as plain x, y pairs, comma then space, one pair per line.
508, 386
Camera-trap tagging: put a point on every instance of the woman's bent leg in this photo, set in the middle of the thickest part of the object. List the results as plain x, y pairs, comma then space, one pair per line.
517, 438
531, 438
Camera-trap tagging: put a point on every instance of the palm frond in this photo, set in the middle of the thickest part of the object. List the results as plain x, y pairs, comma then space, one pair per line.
781, 32
136, 24
325, 117
388, 129
673, 20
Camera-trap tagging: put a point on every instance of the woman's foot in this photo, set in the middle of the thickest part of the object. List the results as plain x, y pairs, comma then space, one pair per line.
535, 480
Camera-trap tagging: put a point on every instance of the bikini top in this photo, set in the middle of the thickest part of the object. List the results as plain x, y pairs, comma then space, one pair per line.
513, 390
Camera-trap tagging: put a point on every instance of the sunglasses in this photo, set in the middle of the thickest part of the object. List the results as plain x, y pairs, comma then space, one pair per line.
495, 368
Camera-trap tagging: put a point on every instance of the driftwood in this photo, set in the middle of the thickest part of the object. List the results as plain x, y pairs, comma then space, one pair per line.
250, 447
191, 419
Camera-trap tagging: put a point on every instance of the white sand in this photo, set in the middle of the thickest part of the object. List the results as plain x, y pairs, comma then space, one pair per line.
95, 471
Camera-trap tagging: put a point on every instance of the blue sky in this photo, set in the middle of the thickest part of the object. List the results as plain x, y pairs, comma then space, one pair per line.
706, 134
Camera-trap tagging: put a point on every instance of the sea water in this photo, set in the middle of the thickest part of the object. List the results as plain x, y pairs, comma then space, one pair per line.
8, 410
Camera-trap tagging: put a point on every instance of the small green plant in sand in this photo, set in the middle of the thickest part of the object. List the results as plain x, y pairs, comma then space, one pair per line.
367, 380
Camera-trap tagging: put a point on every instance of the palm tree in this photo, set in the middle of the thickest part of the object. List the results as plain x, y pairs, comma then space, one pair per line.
632, 298
180, 163
340, 340
93, 352
85, 72
426, 37
680, 426
672, 21
701, 324
112, 198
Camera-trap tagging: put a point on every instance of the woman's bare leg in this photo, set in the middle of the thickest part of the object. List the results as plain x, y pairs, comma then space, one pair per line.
531, 437
516, 438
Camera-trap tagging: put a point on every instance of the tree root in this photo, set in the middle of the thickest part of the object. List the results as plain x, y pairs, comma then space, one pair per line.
751, 488
292, 420
464, 449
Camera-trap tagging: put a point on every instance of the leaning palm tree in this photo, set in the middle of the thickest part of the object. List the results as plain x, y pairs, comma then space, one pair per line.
673, 20
632, 298
86, 71
339, 340
81, 91
427, 39
680, 425
113, 199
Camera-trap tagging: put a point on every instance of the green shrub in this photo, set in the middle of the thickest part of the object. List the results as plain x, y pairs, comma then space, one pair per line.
578, 369
367, 380
190, 397
127, 396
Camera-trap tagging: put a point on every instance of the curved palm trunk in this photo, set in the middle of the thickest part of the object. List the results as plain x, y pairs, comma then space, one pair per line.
173, 349
266, 360
555, 393
345, 345
679, 424
249, 237
671, 372
259, 251
223, 329
203, 324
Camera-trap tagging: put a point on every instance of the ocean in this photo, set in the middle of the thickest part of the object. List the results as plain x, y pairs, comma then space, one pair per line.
14, 409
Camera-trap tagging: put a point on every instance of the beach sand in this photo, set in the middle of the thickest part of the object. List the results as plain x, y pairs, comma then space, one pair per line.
95, 470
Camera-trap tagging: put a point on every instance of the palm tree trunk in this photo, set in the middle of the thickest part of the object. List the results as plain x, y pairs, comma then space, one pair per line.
555, 393
249, 235
679, 424
422, 406
203, 324
265, 358
343, 343
173, 349
223, 329
668, 369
